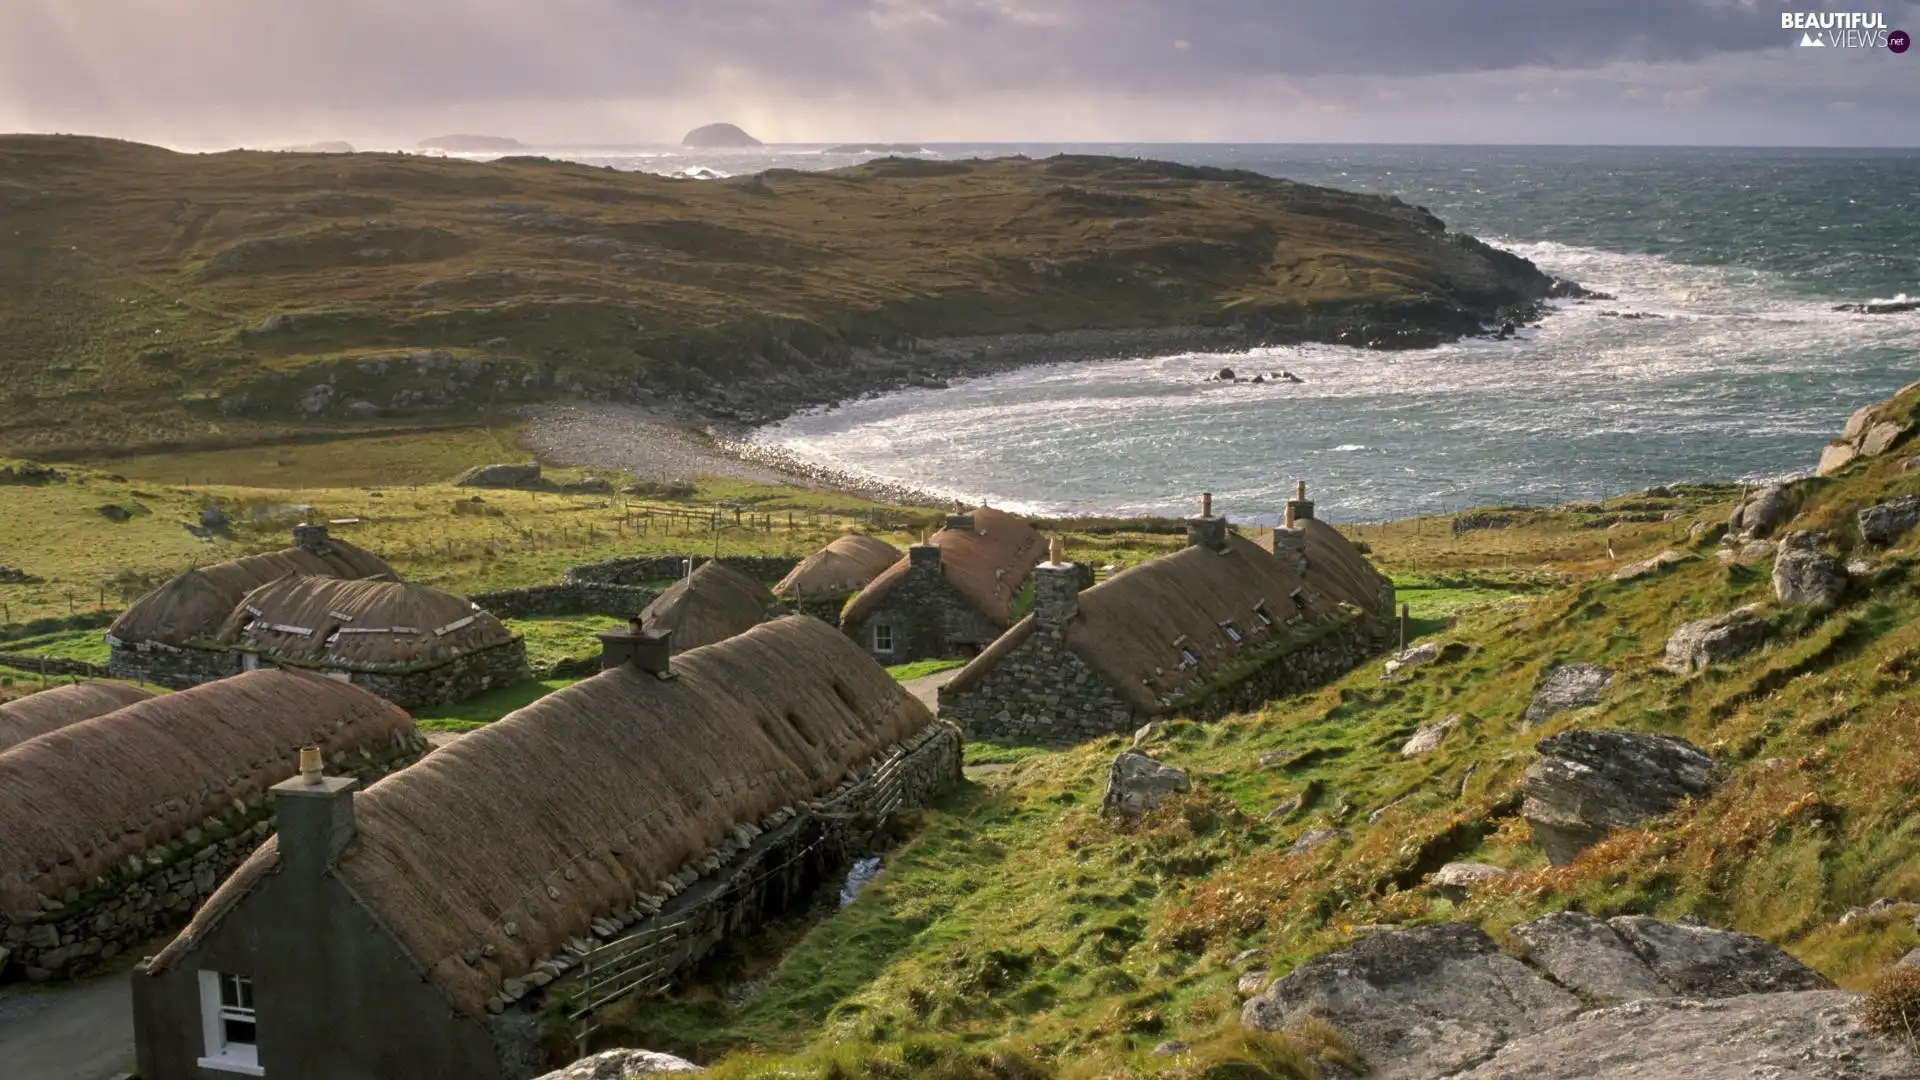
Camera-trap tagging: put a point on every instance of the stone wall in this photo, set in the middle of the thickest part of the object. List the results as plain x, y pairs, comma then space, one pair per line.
930, 621
825, 608
158, 890
1042, 692
164, 665
464, 677
643, 569
51, 665
567, 598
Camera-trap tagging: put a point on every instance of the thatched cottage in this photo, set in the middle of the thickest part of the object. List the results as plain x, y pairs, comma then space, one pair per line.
1221, 625
163, 637
112, 828
952, 595
711, 604
50, 710
598, 841
824, 580
411, 644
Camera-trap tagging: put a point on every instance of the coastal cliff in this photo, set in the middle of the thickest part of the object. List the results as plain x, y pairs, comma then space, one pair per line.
243, 296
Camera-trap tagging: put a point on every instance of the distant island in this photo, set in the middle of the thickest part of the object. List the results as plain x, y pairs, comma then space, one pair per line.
472, 144
335, 147
876, 148
720, 137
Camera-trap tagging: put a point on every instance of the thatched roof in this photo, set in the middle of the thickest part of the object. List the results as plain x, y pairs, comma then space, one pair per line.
576, 804
985, 565
1337, 568
1132, 628
841, 567
713, 604
81, 799
194, 604
51, 710
373, 625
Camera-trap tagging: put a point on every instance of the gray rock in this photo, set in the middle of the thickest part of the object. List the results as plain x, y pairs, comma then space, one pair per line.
501, 476
362, 410
1429, 737
1315, 838
1287, 808
1699, 961
1252, 982
1419, 1003
1137, 784
1805, 575
623, 1065
1882, 437
1801, 1036
1170, 1048
1911, 960
1883, 523
316, 399
1748, 551
1587, 783
1414, 657
1569, 686
1650, 567
1458, 879
1695, 645
1587, 956
213, 517
1762, 512
1835, 457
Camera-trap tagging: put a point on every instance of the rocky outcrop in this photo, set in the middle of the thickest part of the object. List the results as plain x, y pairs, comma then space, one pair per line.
501, 476
1137, 784
623, 1065
1871, 431
1761, 513
720, 136
1569, 686
1585, 784
1885, 522
1442, 1002
1695, 645
1805, 575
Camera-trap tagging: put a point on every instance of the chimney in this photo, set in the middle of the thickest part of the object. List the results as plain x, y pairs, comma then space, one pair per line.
1299, 508
313, 815
651, 652
1056, 590
960, 522
923, 556
312, 538
1206, 530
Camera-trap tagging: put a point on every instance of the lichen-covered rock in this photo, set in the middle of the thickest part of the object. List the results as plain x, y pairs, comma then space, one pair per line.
1414, 657
1883, 523
1419, 1003
1429, 737
1804, 575
1587, 783
1458, 879
1650, 567
1883, 437
1762, 512
1137, 784
1569, 686
1314, 839
1587, 956
501, 476
623, 1065
1700, 961
1695, 645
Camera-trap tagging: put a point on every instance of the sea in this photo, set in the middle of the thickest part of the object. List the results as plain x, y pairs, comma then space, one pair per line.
1722, 356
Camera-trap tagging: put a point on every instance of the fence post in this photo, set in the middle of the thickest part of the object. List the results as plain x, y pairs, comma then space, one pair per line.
1405, 611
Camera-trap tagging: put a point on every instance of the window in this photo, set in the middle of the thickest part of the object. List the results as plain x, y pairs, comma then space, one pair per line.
1187, 659
882, 638
227, 1017
1260, 615
1232, 632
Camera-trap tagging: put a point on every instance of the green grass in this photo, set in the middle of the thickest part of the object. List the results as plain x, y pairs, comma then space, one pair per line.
562, 638
488, 707
920, 669
89, 646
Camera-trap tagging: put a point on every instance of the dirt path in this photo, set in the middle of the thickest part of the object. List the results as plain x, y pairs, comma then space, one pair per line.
927, 687
73, 1031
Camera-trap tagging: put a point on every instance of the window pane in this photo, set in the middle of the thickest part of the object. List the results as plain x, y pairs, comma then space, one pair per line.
246, 992
230, 991
238, 1031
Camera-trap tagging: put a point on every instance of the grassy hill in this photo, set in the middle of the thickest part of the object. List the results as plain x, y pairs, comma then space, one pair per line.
149, 298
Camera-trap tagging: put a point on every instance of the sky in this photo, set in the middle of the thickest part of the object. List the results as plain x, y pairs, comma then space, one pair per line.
210, 74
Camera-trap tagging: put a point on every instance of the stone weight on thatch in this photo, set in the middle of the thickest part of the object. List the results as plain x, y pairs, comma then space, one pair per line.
1137, 784
1587, 783
1726, 637
1569, 686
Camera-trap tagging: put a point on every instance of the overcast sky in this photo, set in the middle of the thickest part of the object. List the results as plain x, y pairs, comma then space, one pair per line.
216, 73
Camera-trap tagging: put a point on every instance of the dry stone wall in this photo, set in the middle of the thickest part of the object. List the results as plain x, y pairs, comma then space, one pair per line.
168, 666
464, 677
568, 598
642, 569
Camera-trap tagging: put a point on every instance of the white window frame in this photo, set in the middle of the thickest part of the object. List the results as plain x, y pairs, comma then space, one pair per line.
222, 1054
880, 630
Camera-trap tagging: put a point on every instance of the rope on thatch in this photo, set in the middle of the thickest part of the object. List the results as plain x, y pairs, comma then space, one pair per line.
193, 605
713, 604
359, 625
844, 566
494, 851
50, 710
986, 565
82, 799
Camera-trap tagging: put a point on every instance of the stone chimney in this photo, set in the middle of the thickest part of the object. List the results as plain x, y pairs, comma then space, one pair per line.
312, 538
650, 652
923, 557
1290, 538
960, 522
1056, 591
1299, 508
1206, 530
313, 816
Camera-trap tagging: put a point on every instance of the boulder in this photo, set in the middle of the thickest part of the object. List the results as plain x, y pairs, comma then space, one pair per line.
1414, 657
1313, 839
1699, 961
501, 476
1762, 512
1429, 737
1418, 1003
1650, 567
1695, 645
1587, 956
1834, 457
1569, 686
1805, 575
1588, 783
623, 1065
1457, 879
1137, 784
1883, 437
1813, 1035
1748, 551
362, 410
213, 517
1859, 422
1883, 523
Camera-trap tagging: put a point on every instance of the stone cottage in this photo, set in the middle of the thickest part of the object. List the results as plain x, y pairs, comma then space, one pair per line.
50, 710
952, 595
1328, 561
451, 919
1219, 626
113, 828
411, 644
159, 638
824, 581
711, 604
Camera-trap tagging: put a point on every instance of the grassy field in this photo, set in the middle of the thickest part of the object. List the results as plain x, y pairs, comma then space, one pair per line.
920, 669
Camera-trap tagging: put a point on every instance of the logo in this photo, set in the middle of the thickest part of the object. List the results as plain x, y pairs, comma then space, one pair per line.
1844, 30
1898, 41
